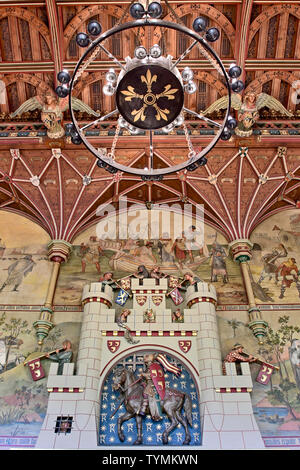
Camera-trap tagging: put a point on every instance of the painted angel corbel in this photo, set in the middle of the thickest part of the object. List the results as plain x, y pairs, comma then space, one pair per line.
248, 109
52, 110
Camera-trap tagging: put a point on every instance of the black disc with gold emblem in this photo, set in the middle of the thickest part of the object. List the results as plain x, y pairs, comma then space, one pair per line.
149, 97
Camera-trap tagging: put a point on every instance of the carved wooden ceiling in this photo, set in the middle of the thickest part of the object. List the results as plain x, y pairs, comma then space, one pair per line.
59, 185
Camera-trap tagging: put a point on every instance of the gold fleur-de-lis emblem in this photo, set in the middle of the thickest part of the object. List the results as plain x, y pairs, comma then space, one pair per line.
150, 99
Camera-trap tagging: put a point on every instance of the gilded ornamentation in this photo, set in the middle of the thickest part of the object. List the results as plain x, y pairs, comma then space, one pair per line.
150, 99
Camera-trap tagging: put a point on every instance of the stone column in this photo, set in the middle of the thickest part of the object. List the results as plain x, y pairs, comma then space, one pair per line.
241, 252
58, 252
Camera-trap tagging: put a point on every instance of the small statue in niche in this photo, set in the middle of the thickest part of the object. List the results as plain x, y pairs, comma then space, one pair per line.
107, 280
62, 356
190, 280
142, 272
156, 273
177, 316
121, 320
149, 316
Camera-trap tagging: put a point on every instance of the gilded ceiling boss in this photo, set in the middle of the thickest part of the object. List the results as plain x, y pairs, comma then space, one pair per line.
150, 99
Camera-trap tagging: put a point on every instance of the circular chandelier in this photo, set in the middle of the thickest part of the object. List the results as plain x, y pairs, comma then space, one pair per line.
150, 91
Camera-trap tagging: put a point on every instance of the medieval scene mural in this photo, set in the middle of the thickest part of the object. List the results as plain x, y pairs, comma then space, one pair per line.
24, 267
274, 266
23, 390
201, 252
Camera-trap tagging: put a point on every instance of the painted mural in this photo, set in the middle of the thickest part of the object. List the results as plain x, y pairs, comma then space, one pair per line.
276, 405
208, 259
23, 401
24, 267
276, 259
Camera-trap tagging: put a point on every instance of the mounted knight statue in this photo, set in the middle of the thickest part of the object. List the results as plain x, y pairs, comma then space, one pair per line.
149, 395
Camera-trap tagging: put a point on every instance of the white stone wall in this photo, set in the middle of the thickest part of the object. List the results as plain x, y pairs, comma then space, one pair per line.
227, 419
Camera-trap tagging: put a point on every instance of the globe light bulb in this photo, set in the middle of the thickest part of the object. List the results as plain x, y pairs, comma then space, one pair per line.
82, 40
111, 76
108, 89
187, 74
94, 28
212, 34
190, 87
122, 122
140, 52
200, 24
168, 128
154, 10
63, 77
155, 51
137, 11
237, 86
226, 134
62, 91
178, 121
133, 130
234, 71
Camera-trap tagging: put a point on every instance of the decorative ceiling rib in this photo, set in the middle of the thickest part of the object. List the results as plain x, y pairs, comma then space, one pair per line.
60, 187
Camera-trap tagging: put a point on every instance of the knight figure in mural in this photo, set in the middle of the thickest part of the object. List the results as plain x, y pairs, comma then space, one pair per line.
148, 394
218, 262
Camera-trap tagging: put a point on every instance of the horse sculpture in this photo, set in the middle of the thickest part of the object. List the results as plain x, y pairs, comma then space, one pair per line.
132, 390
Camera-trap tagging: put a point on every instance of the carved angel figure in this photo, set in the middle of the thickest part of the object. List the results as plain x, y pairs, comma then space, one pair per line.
52, 109
248, 109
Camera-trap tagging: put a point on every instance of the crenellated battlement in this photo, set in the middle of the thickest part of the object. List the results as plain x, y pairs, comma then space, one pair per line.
97, 290
201, 290
149, 284
232, 382
67, 381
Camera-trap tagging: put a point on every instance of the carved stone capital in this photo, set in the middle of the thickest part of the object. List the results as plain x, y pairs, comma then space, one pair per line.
241, 250
59, 251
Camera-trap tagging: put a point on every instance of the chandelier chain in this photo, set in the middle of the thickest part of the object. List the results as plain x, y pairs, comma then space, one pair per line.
115, 141
192, 152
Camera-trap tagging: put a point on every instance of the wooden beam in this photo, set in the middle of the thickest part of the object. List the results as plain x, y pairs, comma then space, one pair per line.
280, 48
56, 37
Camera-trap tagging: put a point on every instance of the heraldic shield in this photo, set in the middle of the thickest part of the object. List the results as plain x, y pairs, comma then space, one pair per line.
158, 378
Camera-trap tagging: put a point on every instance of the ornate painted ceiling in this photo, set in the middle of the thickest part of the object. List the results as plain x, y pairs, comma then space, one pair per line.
59, 186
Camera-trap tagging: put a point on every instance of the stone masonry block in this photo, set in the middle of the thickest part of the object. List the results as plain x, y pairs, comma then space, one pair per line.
88, 440
85, 407
232, 440
53, 369
68, 368
230, 368
237, 423
67, 441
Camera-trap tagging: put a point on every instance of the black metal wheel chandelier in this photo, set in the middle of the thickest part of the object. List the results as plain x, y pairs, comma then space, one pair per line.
150, 90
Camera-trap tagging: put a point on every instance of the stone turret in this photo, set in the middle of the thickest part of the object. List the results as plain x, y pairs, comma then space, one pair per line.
76, 397
227, 418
